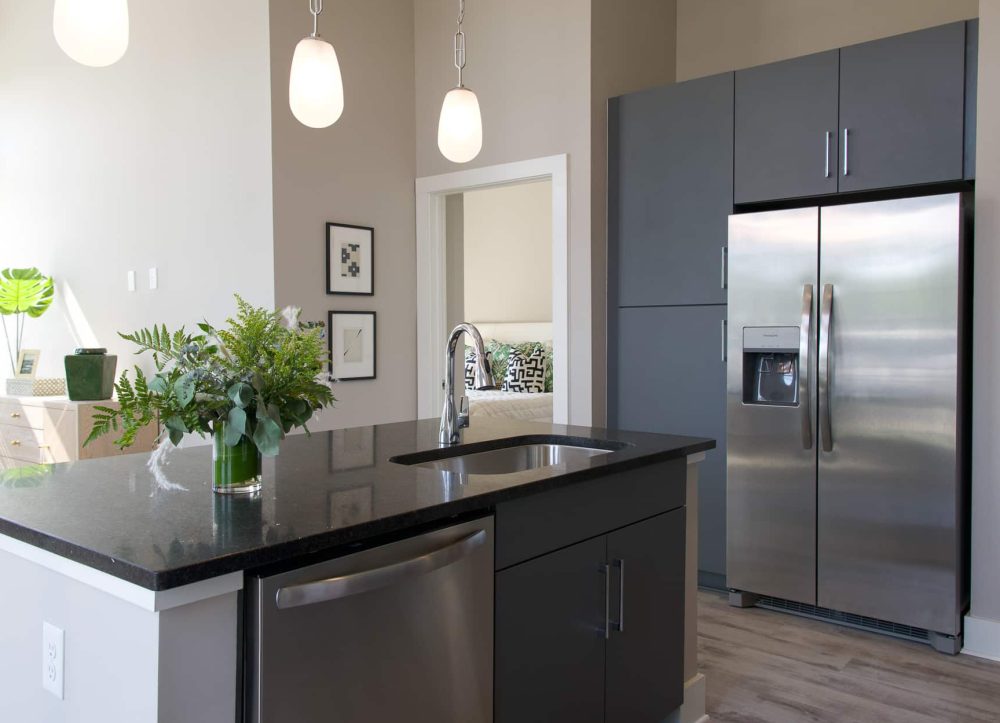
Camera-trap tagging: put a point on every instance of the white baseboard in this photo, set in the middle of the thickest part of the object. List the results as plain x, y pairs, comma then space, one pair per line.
693, 708
982, 637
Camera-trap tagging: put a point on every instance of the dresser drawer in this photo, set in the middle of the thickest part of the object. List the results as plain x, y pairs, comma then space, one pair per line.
23, 443
21, 415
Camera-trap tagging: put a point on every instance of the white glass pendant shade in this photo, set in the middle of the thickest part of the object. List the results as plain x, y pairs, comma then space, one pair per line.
460, 128
92, 32
315, 88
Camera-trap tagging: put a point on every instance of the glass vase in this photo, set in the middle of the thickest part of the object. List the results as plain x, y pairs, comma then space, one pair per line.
235, 470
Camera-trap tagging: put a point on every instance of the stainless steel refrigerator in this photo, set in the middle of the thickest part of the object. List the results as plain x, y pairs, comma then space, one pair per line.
845, 414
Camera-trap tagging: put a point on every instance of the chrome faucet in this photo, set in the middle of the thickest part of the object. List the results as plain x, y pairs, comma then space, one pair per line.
453, 420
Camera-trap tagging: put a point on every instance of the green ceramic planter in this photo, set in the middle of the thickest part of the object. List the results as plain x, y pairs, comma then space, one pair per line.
236, 470
90, 375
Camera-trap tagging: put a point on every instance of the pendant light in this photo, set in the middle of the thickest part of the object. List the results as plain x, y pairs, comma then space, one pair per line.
92, 32
460, 127
315, 88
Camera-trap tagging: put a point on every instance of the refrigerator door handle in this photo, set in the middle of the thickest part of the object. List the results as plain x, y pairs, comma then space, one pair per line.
826, 321
805, 368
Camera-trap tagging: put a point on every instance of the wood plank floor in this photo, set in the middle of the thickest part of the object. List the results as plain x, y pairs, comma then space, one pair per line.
767, 667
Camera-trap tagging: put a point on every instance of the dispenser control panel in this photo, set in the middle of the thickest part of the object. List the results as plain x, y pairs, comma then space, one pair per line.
759, 338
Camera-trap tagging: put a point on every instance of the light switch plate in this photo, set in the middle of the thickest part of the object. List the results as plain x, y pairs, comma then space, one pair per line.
131, 280
152, 278
53, 656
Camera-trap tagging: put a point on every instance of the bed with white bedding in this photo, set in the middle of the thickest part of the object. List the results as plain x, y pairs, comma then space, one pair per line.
510, 405
513, 403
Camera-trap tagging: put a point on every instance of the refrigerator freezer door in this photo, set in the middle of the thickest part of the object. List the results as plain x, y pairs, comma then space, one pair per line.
771, 467
888, 536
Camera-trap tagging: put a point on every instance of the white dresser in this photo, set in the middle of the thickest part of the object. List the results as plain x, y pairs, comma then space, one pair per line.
43, 430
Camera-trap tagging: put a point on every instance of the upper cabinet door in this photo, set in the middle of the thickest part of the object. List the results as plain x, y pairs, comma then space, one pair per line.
786, 129
902, 109
671, 166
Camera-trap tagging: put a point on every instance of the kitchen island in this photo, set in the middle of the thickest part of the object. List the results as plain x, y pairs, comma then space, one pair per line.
146, 573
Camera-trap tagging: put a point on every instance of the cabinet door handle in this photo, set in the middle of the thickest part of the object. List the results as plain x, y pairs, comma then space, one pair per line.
15, 415
724, 265
845, 151
826, 156
620, 623
15, 443
725, 328
606, 569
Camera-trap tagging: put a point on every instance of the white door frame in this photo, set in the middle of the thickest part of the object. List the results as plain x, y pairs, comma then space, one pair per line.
432, 333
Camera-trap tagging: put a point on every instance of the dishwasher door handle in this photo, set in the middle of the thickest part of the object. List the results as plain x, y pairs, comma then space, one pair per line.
334, 588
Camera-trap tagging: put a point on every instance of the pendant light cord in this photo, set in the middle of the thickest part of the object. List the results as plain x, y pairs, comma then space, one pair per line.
315, 7
460, 43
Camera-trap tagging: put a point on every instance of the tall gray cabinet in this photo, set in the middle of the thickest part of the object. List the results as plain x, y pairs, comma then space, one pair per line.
891, 113
671, 191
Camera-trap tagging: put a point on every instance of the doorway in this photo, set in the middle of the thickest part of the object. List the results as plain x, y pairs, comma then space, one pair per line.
434, 311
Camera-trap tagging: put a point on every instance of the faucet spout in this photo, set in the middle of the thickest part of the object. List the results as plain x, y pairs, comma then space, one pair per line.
453, 420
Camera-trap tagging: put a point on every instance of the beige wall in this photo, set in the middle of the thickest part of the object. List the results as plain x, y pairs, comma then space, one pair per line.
358, 171
163, 159
718, 35
529, 64
508, 254
986, 330
633, 46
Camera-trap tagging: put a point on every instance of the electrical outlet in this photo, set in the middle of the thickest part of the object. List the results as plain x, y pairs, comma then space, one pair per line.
53, 650
131, 280
152, 279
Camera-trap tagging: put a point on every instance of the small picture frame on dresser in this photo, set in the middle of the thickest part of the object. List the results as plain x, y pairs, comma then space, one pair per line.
350, 259
27, 363
351, 336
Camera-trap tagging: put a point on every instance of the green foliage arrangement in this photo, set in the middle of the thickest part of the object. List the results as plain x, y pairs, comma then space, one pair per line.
24, 293
258, 379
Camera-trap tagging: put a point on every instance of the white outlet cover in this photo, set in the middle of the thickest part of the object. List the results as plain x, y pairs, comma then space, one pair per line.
53, 657
131, 280
152, 278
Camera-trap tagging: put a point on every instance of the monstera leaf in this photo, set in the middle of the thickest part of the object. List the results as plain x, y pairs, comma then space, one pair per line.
25, 291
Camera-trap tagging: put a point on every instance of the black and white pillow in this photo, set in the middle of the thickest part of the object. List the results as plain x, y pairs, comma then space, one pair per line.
525, 373
470, 370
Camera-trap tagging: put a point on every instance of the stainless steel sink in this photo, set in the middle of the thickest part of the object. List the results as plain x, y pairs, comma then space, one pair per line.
506, 460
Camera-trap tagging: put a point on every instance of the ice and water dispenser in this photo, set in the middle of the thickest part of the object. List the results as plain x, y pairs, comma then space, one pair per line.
771, 365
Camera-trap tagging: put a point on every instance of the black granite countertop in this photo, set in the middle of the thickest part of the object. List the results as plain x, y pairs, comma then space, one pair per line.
321, 492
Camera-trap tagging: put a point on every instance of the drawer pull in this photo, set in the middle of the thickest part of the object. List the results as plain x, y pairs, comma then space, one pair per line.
15, 443
15, 415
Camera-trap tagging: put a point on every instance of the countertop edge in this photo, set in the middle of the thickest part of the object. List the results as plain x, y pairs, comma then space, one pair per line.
154, 581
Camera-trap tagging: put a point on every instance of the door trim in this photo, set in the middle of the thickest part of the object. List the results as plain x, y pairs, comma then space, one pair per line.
431, 192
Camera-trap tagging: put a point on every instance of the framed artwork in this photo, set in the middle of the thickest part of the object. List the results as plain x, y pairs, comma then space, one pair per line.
350, 507
350, 259
352, 345
352, 449
27, 363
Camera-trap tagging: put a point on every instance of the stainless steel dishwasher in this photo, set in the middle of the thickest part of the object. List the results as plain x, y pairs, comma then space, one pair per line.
403, 631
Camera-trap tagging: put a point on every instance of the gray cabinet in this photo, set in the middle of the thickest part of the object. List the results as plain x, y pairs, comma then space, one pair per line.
671, 159
786, 129
549, 663
671, 378
902, 102
644, 672
971, 92
594, 631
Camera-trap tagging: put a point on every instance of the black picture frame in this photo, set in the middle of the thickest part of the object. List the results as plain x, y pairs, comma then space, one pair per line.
330, 335
329, 258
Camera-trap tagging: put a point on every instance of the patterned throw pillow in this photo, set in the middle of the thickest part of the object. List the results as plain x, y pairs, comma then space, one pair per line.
470, 370
525, 373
